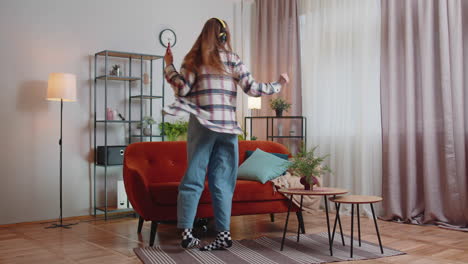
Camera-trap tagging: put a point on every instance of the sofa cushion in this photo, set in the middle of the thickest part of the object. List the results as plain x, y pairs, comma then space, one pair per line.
249, 153
252, 191
246, 191
262, 166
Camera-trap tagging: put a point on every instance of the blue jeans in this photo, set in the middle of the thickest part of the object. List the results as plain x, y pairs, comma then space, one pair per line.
214, 155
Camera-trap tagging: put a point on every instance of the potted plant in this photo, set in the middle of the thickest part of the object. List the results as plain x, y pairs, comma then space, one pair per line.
279, 105
145, 125
308, 166
244, 136
174, 131
116, 70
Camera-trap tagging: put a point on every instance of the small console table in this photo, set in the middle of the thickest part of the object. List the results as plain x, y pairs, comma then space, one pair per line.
270, 135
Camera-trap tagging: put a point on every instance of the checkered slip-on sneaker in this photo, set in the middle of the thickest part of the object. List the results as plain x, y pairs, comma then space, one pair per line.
188, 240
223, 240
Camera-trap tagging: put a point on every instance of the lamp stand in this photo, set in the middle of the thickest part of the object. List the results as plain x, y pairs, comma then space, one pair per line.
255, 111
67, 226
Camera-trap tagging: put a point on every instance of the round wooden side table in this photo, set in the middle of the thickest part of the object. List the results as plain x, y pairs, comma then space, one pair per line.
317, 191
356, 200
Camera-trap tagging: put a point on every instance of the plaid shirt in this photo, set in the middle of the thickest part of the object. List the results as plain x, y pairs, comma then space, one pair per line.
212, 97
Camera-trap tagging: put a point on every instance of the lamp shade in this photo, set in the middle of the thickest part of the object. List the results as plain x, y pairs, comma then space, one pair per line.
61, 86
254, 102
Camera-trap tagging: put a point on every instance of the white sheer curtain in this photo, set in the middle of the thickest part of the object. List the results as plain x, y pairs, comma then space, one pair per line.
241, 31
340, 53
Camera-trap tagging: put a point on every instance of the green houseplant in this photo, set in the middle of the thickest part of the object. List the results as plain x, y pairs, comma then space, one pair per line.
174, 131
145, 125
279, 105
244, 136
308, 166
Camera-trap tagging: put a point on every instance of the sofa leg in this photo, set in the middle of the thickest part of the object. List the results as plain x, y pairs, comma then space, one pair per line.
272, 217
154, 227
140, 224
300, 219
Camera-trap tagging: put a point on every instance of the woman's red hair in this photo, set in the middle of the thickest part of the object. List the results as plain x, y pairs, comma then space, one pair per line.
205, 51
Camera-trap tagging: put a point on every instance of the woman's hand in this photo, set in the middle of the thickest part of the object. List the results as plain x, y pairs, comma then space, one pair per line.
283, 79
168, 57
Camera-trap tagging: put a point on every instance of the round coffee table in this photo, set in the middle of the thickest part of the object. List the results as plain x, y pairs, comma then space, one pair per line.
317, 191
356, 200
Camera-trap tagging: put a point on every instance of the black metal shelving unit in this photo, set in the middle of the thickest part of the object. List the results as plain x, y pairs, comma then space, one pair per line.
105, 79
270, 124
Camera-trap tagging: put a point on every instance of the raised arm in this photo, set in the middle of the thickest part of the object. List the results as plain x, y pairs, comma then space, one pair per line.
181, 82
248, 84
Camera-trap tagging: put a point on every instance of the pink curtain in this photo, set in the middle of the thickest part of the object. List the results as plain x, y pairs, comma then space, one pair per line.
424, 101
276, 50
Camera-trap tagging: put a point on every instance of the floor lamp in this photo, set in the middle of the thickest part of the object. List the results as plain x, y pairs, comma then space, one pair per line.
61, 87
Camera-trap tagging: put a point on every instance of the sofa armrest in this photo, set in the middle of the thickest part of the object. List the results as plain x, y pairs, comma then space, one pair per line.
137, 191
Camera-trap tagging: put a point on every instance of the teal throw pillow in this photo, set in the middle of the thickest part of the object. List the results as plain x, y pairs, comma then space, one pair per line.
279, 155
262, 166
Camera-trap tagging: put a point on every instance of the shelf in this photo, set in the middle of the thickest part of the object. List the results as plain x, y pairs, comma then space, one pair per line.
295, 117
108, 165
113, 209
146, 97
103, 174
285, 137
121, 54
102, 165
118, 78
117, 121
147, 136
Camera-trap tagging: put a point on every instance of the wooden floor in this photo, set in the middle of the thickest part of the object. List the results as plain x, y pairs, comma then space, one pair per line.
112, 241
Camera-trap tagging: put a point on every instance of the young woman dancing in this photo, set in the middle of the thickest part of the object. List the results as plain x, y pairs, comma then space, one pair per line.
206, 88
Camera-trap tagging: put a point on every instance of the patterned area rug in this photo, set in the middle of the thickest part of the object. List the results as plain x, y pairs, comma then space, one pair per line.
310, 249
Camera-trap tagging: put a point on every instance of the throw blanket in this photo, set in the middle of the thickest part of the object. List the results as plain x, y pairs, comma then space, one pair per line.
310, 203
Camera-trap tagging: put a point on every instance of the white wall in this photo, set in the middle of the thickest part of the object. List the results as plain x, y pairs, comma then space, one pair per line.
40, 37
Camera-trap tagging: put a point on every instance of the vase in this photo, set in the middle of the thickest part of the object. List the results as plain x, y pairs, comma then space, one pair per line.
109, 114
309, 185
279, 112
147, 131
146, 78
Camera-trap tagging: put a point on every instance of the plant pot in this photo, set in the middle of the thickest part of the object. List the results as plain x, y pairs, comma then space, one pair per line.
279, 112
182, 137
309, 185
171, 138
147, 131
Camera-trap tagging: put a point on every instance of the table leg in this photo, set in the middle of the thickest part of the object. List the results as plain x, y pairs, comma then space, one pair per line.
299, 222
286, 224
300, 218
376, 228
337, 207
358, 224
328, 225
352, 226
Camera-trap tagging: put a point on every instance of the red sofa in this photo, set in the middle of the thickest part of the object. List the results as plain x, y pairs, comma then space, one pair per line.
152, 172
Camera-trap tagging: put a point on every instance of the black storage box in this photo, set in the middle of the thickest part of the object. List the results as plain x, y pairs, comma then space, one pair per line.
115, 155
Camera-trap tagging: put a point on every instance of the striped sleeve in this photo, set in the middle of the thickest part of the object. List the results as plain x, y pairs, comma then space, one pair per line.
248, 84
181, 82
